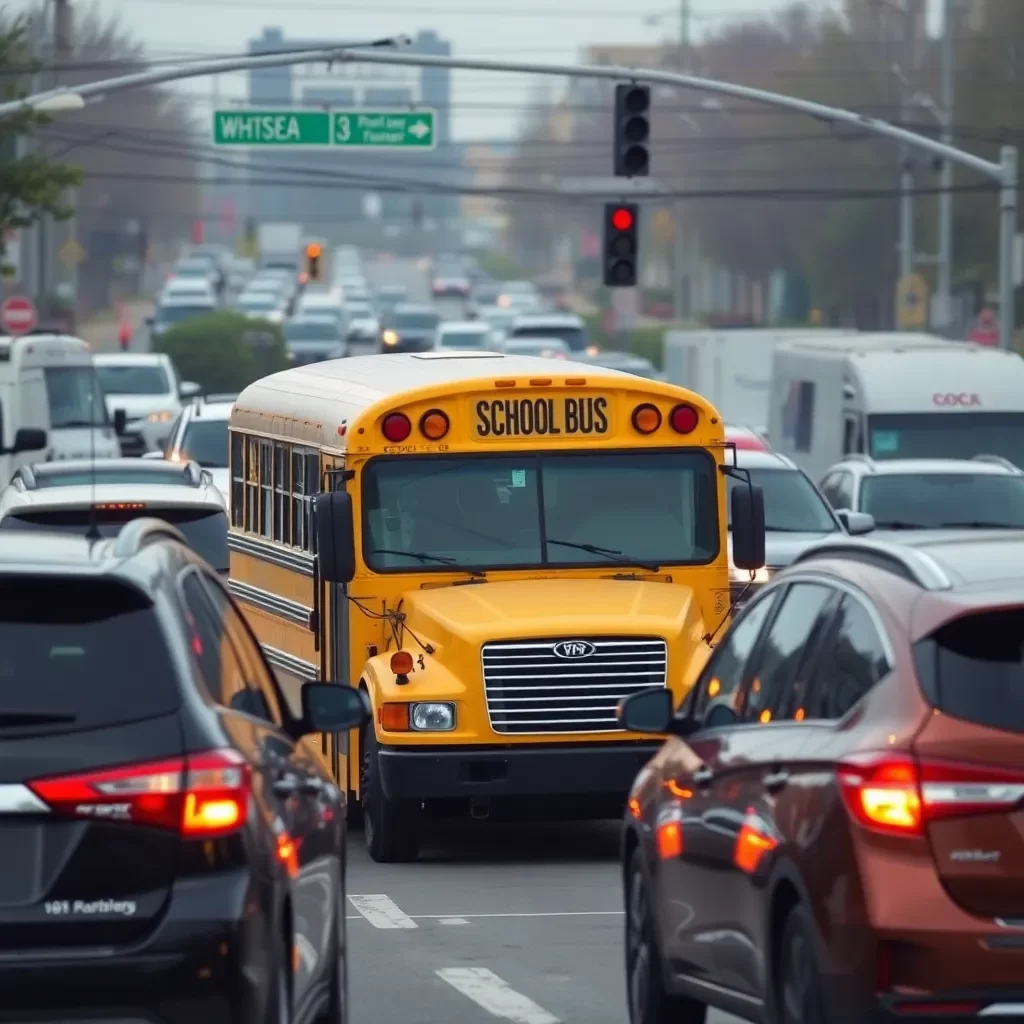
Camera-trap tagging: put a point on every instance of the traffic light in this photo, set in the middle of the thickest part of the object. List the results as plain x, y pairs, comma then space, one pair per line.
621, 244
313, 261
632, 130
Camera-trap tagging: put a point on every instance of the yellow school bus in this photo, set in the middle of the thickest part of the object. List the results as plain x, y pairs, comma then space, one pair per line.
498, 549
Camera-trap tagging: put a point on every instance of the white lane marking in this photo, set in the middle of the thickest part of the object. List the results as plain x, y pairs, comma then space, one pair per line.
452, 920
382, 911
544, 913
489, 991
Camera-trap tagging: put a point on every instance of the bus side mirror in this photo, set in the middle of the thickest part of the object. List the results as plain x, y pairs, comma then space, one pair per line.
27, 439
335, 537
120, 421
747, 526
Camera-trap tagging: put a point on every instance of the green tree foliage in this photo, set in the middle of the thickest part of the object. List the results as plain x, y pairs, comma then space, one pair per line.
224, 351
31, 185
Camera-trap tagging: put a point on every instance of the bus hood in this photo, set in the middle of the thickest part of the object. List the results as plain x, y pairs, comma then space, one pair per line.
478, 612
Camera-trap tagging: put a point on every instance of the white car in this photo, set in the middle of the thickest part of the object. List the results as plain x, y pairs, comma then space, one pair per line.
567, 326
321, 304
354, 289
261, 306
176, 309
464, 334
70, 496
200, 434
545, 348
146, 386
363, 322
188, 288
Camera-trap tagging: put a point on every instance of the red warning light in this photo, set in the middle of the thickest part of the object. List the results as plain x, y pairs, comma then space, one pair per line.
622, 219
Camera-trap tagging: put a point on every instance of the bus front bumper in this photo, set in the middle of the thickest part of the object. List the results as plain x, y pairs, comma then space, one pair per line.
572, 770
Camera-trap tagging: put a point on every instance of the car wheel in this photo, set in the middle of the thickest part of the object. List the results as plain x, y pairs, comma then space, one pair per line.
800, 991
391, 827
649, 1002
334, 1011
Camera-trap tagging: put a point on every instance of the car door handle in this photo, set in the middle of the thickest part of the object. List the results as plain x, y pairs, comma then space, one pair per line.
702, 776
774, 781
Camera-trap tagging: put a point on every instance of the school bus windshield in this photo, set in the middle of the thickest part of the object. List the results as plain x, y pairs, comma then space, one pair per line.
521, 510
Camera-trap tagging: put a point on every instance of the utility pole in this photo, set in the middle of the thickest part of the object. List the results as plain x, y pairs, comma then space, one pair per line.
682, 263
60, 264
906, 156
948, 100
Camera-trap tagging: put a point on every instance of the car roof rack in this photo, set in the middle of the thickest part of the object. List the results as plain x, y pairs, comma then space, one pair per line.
996, 460
135, 535
908, 563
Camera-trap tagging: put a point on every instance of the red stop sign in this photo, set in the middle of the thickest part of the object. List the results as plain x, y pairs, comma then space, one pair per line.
17, 315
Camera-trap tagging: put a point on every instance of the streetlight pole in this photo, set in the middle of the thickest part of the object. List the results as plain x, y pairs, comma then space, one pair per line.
945, 281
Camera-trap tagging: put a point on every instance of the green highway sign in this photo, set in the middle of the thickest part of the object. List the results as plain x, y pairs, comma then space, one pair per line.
325, 129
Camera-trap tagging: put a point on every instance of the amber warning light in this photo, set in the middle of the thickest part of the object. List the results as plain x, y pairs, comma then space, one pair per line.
312, 250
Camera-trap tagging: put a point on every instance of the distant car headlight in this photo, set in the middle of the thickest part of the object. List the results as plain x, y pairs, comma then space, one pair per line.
390, 338
593, 350
761, 575
160, 417
432, 717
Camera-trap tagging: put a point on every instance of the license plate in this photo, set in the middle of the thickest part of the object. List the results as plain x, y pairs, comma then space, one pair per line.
499, 419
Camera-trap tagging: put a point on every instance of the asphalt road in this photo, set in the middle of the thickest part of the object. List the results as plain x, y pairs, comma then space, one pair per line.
518, 923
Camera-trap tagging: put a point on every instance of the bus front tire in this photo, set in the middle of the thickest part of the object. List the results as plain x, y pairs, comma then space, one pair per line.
391, 827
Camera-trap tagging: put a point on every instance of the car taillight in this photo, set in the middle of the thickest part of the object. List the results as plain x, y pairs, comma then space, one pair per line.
201, 796
898, 794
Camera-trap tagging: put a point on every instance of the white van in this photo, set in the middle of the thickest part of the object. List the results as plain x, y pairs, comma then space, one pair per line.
895, 396
48, 381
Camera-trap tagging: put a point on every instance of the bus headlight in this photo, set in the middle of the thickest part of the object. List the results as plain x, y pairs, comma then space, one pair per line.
432, 717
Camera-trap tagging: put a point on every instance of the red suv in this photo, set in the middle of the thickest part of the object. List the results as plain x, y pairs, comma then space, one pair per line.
834, 829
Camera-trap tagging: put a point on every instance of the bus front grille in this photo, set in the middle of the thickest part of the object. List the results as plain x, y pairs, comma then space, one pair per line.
571, 684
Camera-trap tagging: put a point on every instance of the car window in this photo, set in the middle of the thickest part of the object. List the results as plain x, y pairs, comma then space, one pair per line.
776, 681
941, 500
253, 666
850, 663
219, 664
843, 490
724, 672
791, 504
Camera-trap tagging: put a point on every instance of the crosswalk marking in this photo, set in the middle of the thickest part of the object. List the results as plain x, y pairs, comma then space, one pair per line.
447, 918
382, 911
494, 995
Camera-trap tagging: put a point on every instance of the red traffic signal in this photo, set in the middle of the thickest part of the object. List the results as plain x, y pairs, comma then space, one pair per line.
622, 219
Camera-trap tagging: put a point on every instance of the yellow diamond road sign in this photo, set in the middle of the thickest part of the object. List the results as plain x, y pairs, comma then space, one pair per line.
912, 301
71, 253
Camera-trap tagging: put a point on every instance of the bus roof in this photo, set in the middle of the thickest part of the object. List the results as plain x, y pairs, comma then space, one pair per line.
319, 395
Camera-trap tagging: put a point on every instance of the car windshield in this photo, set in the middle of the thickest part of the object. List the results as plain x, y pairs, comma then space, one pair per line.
791, 504
206, 441
195, 269
359, 311
75, 397
574, 337
417, 321
959, 435
540, 510
312, 330
175, 314
258, 302
463, 339
546, 347
487, 296
937, 500
205, 530
133, 380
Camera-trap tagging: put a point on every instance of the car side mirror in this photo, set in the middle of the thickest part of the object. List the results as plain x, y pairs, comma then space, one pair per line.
332, 707
856, 523
720, 716
747, 508
120, 421
647, 711
28, 439
335, 537
189, 389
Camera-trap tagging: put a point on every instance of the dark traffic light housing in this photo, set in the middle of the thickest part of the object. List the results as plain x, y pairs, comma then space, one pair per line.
621, 244
632, 131
313, 261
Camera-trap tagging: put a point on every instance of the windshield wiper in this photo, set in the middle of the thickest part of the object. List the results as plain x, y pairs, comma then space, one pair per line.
979, 524
611, 553
10, 718
898, 525
423, 556
78, 423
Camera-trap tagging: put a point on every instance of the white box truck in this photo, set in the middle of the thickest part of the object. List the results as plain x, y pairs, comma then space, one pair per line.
280, 245
895, 396
732, 368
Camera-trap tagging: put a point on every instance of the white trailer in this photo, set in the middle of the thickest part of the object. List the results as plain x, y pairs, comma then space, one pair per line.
280, 245
895, 396
732, 369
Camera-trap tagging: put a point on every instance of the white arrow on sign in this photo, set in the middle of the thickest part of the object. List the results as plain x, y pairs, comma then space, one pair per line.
419, 129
